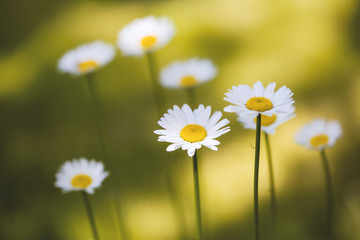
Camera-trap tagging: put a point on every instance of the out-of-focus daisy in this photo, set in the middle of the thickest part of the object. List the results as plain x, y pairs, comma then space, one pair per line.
80, 175
86, 58
259, 100
268, 123
188, 74
319, 134
145, 35
190, 130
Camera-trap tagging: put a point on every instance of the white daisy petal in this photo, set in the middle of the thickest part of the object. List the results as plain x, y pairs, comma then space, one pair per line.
145, 35
251, 102
80, 175
86, 58
200, 128
187, 74
319, 134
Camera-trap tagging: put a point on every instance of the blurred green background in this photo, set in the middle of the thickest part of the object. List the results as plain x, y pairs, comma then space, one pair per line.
311, 46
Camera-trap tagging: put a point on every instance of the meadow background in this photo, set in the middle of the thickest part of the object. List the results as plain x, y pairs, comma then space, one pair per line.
311, 46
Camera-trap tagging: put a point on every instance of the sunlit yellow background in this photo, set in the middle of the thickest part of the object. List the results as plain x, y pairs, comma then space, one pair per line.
311, 46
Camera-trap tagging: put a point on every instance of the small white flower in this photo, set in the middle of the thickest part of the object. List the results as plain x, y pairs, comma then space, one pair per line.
251, 102
82, 174
145, 35
86, 58
319, 134
268, 123
191, 129
188, 74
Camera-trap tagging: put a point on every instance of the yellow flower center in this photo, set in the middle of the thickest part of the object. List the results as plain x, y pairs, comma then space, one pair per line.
266, 120
193, 133
81, 181
259, 104
148, 42
87, 66
319, 140
188, 81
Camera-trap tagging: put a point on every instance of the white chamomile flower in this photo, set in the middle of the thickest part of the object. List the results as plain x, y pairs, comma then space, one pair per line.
86, 58
268, 123
191, 129
145, 35
319, 134
188, 74
80, 175
251, 102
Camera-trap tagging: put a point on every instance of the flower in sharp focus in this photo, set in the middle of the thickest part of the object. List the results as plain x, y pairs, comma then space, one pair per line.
86, 58
145, 35
190, 130
259, 100
80, 174
268, 123
319, 134
188, 74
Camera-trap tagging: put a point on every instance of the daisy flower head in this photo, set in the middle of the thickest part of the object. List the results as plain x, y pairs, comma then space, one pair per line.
145, 35
319, 134
190, 130
188, 74
268, 123
86, 58
80, 175
258, 100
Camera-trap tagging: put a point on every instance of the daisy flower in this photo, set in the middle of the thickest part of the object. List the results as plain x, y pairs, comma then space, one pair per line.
319, 134
259, 100
86, 58
81, 174
188, 74
190, 130
145, 35
268, 123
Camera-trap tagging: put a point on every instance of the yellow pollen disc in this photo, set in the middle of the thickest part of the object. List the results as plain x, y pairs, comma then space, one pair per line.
81, 181
266, 120
319, 140
188, 81
259, 104
87, 66
193, 133
148, 42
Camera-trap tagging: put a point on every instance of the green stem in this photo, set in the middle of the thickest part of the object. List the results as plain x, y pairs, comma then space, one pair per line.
157, 92
329, 194
197, 196
256, 176
191, 97
90, 214
103, 137
271, 177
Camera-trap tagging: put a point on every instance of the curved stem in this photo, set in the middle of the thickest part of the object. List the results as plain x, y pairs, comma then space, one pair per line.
157, 92
256, 176
329, 199
197, 196
271, 177
90, 214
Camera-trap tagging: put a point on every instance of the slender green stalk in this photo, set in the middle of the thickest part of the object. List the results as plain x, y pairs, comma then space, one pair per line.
159, 99
157, 92
191, 97
197, 196
104, 142
256, 176
90, 215
99, 116
271, 177
329, 200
